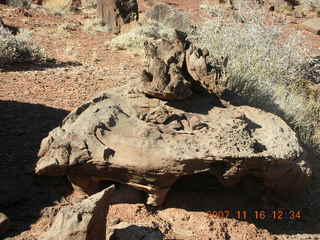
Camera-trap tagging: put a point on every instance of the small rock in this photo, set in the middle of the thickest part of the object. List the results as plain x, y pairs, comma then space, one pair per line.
312, 25
84, 221
4, 223
128, 231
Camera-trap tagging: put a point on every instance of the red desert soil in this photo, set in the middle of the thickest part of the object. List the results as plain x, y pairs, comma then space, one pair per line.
35, 98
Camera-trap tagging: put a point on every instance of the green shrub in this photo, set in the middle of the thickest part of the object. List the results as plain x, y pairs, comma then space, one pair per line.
18, 48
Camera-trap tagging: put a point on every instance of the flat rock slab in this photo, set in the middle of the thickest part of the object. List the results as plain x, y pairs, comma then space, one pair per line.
149, 143
312, 25
83, 221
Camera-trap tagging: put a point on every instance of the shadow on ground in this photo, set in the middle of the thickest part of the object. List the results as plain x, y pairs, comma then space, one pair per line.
199, 193
41, 66
22, 194
246, 202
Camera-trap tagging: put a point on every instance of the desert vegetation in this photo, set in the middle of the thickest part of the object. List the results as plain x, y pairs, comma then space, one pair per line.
18, 48
269, 71
266, 69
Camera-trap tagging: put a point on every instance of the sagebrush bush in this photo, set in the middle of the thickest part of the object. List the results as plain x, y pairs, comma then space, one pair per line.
134, 40
264, 68
311, 3
18, 48
311, 70
20, 3
169, 16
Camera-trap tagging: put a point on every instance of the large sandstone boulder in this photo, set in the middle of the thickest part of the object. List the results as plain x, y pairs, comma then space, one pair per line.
83, 221
149, 143
123, 135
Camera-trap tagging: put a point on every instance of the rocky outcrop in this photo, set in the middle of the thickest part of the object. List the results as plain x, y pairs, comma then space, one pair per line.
83, 221
59, 6
149, 143
176, 68
123, 135
115, 13
4, 223
312, 25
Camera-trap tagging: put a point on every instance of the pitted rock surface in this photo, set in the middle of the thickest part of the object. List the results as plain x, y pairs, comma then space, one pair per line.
149, 143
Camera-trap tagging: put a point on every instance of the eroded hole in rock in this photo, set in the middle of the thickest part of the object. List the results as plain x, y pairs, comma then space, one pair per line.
258, 147
218, 168
199, 182
252, 187
105, 184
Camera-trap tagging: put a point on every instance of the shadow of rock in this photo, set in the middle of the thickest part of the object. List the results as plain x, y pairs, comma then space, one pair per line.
40, 66
126, 194
197, 104
127, 231
22, 193
245, 202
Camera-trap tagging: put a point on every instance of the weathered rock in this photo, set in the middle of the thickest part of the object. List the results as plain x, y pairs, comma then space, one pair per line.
115, 13
163, 77
148, 143
4, 223
60, 6
84, 221
5, 29
128, 231
209, 76
176, 67
20, 3
312, 25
